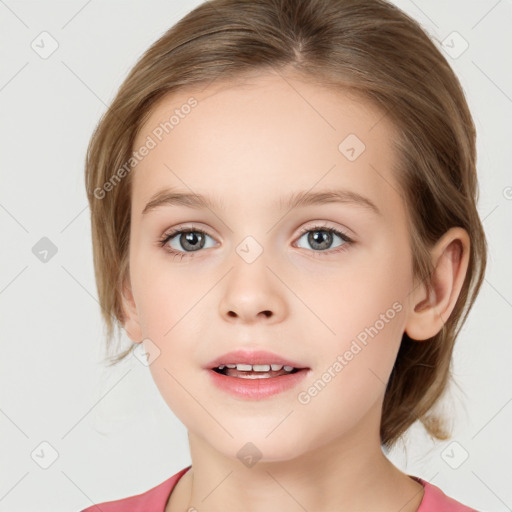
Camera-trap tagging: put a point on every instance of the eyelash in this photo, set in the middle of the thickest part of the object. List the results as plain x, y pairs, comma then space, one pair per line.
181, 254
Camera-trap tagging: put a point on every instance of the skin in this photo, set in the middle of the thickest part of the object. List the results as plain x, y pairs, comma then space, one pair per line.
249, 144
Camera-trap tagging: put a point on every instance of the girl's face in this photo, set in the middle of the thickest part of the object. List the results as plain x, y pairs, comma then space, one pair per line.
266, 275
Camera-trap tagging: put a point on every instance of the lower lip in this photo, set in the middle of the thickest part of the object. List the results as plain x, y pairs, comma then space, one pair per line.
257, 389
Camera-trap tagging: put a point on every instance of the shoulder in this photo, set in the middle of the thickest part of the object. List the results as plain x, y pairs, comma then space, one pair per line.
155, 499
435, 500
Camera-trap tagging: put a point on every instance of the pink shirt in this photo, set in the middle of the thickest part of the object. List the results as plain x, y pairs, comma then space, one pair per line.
155, 500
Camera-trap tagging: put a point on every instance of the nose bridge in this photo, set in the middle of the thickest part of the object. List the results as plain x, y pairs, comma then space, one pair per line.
250, 250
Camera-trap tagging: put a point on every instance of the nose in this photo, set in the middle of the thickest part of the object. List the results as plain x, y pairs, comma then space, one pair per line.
252, 293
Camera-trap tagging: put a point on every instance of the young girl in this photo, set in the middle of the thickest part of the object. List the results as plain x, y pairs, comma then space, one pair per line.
283, 212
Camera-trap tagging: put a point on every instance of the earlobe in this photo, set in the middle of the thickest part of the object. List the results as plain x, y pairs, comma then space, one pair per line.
433, 302
131, 319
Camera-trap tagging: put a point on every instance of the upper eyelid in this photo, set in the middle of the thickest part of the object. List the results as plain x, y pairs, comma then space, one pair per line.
318, 225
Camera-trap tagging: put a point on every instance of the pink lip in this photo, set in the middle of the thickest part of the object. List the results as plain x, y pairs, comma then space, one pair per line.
252, 357
257, 389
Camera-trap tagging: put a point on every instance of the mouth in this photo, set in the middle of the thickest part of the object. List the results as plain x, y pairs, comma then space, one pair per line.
259, 384
255, 375
255, 371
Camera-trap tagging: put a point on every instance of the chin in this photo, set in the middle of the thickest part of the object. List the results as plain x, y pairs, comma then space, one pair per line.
258, 446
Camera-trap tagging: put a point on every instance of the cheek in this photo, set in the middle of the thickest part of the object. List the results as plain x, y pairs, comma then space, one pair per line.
365, 311
367, 291
350, 380
167, 298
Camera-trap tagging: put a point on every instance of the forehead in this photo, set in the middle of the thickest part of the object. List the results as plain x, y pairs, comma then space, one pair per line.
264, 133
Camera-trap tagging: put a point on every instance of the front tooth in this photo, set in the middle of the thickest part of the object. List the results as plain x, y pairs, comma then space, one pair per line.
276, 367
288, 368
231, 365
261, 367
244, 367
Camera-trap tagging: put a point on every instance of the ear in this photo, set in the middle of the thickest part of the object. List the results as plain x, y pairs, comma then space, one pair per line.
131, 318
433, 302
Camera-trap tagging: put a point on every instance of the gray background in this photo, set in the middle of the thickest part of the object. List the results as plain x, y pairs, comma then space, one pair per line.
112, 434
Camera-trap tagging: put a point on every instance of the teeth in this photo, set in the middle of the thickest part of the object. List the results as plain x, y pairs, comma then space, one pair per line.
261, 367
256, 367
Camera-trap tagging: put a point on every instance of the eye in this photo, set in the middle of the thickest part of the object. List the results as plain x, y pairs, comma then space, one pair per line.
321, 238
183, 241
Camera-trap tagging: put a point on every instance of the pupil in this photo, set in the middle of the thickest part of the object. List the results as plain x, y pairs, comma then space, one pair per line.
320, 238
192, 240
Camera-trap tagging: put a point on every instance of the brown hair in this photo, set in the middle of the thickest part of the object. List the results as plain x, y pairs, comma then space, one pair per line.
368, 46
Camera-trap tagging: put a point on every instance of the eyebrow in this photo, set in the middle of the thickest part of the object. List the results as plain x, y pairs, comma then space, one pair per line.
169, 197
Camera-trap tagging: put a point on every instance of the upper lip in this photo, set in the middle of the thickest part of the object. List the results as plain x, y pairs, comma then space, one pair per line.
252, 357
